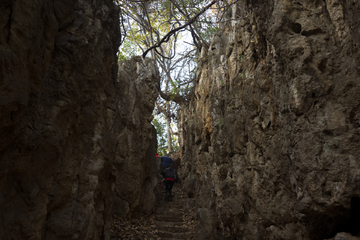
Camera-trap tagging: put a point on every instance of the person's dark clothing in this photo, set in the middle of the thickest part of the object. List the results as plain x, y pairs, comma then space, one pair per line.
170, 173
169, 185
170, 176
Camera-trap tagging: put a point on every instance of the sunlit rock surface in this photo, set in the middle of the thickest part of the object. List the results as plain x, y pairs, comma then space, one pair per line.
270, 142
67, 121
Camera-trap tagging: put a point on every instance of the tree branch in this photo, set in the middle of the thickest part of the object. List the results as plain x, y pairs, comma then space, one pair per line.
172, 32
173, 97
194, 29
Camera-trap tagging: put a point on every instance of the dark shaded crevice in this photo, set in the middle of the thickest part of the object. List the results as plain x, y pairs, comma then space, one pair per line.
322, 65
269, 125
299, 4
351, 224
207, 142
355, 117
256, 58
349, 86
295, 27
191, 195
8, 26
328, 132
354, 224
341, 220
44, 229
311, 32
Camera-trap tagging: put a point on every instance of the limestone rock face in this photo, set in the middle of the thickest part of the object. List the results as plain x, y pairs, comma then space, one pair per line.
65, 117
135, 160
270, 143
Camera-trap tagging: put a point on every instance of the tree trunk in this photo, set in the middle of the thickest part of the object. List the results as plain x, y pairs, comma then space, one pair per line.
168, 113
168, 128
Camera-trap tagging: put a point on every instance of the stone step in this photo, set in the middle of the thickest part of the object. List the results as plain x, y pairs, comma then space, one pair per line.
167, 218
166, 234
169, 238
172, 238
170, 207
172, 229
170, 210
174, 202
165, 199
169, 215
170, 224
175, 227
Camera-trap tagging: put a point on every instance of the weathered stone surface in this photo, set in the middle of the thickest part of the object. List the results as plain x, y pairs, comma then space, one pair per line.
135, 161
270, 144
63, 116
344, 236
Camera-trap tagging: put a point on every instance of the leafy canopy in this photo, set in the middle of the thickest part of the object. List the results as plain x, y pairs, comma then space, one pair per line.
173, 32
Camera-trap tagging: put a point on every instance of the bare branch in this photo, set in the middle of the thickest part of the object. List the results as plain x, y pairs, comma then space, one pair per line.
172, 32
194, 30
173, 97
163, 55
138, 1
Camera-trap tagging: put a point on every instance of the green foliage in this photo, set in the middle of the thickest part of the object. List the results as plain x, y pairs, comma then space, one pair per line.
161, 136
145, 23
210, 30
219, 123
128, 49
174, 143
241, 58
159, 123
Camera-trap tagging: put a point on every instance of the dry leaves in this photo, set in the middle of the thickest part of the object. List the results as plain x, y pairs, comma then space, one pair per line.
134, 229
189, 221
145, 227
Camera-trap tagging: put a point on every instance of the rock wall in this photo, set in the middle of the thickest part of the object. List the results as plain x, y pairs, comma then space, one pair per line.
63, 123
270, 143
135, 161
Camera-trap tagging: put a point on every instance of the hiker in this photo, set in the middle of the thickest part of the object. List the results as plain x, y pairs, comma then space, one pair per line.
165, 163
171, 176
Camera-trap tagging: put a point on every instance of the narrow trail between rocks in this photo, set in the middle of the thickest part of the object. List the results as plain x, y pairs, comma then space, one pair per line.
169, 221
173, 219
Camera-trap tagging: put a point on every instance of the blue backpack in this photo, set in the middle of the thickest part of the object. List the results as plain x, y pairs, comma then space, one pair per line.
166, 161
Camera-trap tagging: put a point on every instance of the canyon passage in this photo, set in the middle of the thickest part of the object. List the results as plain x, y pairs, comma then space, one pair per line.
269, 135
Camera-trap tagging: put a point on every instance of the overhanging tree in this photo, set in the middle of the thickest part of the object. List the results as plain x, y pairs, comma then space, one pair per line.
157, 27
